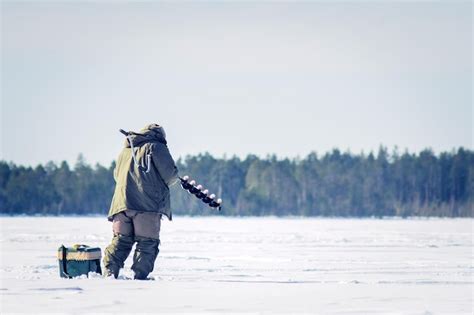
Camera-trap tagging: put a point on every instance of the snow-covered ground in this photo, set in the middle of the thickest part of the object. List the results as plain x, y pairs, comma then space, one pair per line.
250, 265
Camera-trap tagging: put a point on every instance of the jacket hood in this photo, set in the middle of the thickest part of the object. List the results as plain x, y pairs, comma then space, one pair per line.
150, 133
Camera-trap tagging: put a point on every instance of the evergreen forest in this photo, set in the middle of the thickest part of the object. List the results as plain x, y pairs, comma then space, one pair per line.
334, 184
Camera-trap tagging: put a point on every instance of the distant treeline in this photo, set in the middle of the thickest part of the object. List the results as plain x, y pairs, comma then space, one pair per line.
334, 184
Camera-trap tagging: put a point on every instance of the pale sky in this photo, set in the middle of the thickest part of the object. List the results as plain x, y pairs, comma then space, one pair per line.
234, 78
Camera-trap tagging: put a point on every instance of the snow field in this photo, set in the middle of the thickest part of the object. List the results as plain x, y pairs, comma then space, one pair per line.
250, 265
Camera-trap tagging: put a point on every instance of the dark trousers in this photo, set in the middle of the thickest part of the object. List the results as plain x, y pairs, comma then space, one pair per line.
129, 227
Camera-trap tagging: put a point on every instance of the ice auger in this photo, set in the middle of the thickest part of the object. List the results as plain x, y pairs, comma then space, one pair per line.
199, 192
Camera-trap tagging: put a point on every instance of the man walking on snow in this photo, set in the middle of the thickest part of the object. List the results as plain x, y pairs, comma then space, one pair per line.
143, 174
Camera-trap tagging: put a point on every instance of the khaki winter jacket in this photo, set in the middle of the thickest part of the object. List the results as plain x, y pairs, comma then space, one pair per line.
144, 188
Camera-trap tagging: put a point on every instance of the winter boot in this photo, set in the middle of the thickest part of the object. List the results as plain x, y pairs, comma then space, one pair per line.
116, 253
145, 255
